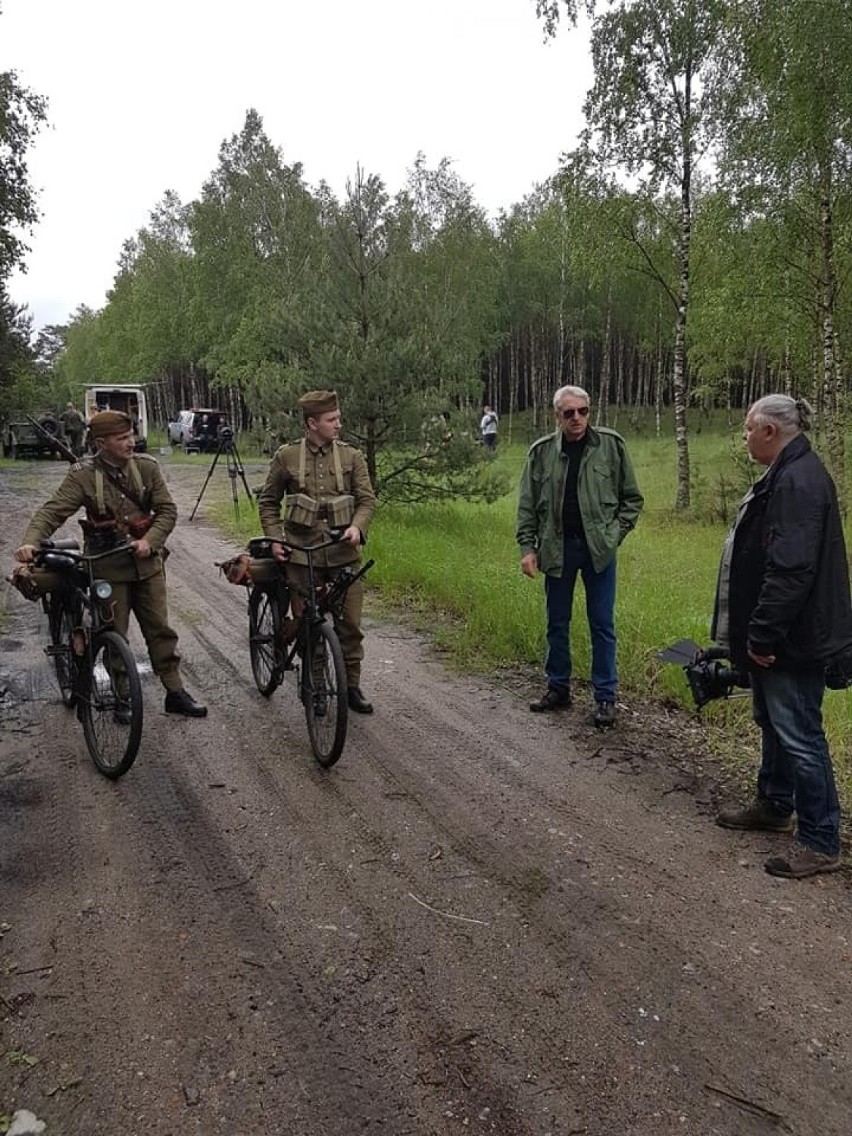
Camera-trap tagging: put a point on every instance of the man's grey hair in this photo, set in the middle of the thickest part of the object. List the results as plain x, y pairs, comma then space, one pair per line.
791, 415
566, 392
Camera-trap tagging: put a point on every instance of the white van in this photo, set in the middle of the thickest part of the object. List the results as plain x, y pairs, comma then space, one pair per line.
129, 399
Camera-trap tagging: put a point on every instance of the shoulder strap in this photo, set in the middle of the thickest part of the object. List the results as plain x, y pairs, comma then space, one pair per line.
135, 496
303, 458
99, 490
338, 469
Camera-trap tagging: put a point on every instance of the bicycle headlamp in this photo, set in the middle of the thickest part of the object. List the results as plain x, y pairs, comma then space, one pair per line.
102, 589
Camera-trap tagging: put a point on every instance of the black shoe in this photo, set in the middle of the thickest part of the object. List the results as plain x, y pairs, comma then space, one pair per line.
552, 699
357, 701
604, 717
180, 702
122, 714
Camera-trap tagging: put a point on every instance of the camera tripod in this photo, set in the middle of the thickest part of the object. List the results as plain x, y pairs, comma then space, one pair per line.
234, 466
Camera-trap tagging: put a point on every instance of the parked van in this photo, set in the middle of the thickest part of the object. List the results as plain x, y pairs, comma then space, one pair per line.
128, 399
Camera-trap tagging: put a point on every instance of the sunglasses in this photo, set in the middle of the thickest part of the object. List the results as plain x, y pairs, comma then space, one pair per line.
575, 412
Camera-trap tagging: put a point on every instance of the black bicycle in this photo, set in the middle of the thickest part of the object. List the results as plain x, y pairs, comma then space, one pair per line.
95, 667
293, 633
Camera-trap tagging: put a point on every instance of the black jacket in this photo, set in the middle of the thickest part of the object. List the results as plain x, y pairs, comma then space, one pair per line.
789, 578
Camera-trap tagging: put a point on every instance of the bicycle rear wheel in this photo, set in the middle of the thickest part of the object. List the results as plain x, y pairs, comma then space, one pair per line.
264, 631
111, 705
63, 618
324, 694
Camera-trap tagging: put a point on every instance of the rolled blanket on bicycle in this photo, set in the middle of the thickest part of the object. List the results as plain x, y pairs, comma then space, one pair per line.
248, 571
32, 582
236, 570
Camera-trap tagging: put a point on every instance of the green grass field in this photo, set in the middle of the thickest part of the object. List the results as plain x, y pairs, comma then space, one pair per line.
456, 566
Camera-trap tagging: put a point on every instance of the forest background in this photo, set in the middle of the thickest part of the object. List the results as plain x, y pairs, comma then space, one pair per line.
691, 254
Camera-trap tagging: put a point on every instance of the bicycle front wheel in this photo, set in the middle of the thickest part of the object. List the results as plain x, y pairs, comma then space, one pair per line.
111, 705
63, 619
324, 694
264, 630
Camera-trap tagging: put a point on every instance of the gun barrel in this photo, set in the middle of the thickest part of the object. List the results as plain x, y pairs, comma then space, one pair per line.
57, 443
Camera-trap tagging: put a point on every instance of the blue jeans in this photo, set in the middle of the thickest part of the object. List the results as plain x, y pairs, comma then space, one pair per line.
600, 603
795, 768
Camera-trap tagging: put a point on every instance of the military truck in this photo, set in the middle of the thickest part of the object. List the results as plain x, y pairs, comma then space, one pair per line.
129, 399
22, 440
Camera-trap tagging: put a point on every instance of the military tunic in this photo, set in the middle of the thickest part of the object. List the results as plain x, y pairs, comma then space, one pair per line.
74, 427
313, 471
139, 584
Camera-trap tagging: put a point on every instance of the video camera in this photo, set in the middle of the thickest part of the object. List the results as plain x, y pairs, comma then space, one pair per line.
225, 434
707, 670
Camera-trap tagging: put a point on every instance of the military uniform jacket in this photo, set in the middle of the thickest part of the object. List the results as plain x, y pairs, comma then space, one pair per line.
321, 484
86, 486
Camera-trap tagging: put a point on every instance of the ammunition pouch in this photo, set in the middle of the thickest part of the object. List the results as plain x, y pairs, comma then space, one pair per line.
300, 510
340, 510
137, 528
102, 534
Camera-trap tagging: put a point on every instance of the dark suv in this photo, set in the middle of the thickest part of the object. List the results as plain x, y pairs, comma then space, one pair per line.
197, 430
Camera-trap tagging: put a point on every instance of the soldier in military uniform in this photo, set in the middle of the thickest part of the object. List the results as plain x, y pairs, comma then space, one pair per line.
124, 494
73, 427
323, 483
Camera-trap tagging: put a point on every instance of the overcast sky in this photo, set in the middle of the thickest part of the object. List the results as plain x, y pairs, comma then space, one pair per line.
141, 95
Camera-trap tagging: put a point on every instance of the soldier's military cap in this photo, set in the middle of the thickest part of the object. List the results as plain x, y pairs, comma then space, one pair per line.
108, 422
318, 402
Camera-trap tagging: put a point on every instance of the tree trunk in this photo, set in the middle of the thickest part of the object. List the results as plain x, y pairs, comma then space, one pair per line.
830, 365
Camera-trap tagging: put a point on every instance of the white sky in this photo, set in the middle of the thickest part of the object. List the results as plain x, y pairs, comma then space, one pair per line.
141, 95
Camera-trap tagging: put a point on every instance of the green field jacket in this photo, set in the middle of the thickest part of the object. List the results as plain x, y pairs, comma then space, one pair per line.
609, 498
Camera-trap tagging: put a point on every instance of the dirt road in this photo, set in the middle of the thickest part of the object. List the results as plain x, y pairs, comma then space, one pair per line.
478, 921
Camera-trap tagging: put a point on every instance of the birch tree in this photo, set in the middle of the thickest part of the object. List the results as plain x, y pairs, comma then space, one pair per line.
650, 113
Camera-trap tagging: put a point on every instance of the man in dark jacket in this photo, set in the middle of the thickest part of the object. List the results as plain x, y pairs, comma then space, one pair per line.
783, 611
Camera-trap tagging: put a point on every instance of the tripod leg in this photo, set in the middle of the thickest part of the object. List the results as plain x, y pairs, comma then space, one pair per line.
206, 480
232, 477
241, 471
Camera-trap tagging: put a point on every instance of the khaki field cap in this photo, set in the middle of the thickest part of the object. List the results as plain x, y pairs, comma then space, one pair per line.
315, 403
108, 422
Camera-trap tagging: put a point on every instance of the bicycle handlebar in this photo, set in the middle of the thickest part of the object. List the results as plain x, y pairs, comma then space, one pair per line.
335, 537
69, 549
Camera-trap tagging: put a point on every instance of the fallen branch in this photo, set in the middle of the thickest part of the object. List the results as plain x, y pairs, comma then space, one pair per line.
446, 914
749, 1106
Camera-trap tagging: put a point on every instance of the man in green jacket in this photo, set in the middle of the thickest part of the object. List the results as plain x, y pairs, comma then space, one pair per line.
578, 501
124, 496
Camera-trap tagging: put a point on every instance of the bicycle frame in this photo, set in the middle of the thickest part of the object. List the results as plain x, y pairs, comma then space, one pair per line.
95, 666
308, 645
66, 559
321, 599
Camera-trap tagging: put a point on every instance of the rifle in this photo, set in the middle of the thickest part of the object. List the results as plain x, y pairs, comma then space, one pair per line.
52, 439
